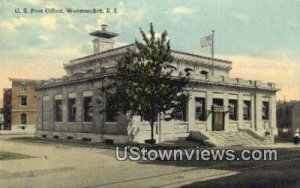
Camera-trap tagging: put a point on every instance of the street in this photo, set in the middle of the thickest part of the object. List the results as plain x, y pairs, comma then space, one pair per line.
68, 166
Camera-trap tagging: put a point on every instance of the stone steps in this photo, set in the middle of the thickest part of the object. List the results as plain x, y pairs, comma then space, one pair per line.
234, 138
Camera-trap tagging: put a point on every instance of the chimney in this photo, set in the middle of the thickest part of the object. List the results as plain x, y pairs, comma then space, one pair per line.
103, 39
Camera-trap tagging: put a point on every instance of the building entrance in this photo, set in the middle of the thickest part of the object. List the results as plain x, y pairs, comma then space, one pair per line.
218, 115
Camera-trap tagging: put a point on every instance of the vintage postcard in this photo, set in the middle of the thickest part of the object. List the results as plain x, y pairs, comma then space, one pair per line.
140, 93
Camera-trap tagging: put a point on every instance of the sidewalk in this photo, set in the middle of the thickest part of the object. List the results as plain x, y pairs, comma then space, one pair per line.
17, 132
67, 166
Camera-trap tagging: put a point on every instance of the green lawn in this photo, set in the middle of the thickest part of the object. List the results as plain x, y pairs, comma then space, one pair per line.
4, 155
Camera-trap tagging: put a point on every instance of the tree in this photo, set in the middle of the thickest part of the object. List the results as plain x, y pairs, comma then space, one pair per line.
145, 81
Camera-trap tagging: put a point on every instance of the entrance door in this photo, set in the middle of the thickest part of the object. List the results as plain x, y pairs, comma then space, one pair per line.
218, 121
217, 115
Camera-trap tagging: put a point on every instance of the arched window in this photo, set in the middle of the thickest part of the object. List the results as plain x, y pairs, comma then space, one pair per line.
23, 119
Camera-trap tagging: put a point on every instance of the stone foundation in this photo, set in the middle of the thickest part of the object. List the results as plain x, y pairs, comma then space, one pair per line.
116, 139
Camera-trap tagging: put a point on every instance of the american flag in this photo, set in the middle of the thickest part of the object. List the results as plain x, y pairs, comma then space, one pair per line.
206, 41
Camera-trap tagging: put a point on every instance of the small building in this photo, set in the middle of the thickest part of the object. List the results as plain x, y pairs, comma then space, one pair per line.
19, 105
1, 119
296, 116
68, 107
288, 118
7, 108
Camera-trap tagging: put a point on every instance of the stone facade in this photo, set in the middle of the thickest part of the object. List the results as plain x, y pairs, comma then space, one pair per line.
69, 107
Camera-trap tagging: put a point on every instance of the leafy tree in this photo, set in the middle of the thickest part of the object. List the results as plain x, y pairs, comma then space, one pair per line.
147, 83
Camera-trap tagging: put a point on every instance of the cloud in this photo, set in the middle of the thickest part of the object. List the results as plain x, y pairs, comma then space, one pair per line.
33, 2
239, 16
181, 14
282, 71
11, 25
48, 22
119, 44
89, 28
124, 18
43, 37
181, 10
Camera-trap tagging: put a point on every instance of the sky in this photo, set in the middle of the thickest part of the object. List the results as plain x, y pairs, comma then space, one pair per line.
260, 37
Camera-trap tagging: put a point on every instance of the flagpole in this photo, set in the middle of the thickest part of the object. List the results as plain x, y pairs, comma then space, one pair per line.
212, 52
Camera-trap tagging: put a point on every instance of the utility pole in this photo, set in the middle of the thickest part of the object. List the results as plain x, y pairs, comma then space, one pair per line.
212, 52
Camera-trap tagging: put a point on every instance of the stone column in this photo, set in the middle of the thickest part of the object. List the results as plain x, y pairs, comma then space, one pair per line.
240, 111
253, 113
259, 124
191, 113
226, 117
44, 114
39, 120
79, 110
50, 110
98, 115
209, 101
272, 107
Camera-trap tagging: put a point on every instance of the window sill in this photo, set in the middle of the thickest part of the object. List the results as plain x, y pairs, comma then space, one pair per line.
71, 122
87, 122
180, 122
200, 121
112, 123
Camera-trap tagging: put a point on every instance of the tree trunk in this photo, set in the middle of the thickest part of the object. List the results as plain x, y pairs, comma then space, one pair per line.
152, 132
152, 140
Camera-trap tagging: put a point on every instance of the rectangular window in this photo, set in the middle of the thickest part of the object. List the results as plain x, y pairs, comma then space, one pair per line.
23, 119
111, 116
72, 109
265, 110
58, 110
23, 100
111, 113
200, 112
180, 114
23, 87
247, 110
232, 109
88, 109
